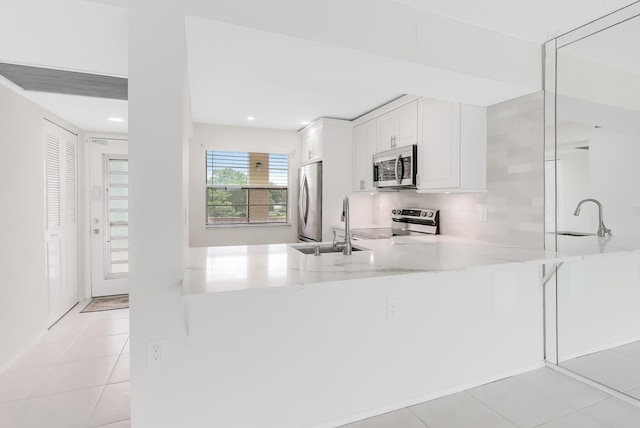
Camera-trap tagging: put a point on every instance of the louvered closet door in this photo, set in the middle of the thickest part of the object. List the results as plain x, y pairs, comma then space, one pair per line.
62, 219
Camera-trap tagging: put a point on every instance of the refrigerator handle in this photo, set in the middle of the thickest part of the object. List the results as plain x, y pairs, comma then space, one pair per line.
304, 202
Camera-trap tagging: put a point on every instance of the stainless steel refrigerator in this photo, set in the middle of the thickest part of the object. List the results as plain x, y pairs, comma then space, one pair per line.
310, 203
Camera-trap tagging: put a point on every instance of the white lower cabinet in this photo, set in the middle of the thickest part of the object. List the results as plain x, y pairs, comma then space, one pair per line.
364, 147
451, 147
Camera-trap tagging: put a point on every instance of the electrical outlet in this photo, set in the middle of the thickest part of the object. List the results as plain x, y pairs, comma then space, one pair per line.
155, 349
392, 308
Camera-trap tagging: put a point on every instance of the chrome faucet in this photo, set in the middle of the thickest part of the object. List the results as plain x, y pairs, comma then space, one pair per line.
346, 245
602, 229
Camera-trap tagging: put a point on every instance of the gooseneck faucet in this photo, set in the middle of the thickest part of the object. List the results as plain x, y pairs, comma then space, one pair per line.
347, 230
346, 245
602, 229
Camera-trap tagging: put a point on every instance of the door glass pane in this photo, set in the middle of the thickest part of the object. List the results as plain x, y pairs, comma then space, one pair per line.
117, 211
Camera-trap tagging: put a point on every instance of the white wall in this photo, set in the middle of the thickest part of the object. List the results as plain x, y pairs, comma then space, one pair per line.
159, 125
23, 284
236, 138
322, 355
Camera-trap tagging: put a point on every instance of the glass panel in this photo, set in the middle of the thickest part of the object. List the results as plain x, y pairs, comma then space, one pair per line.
227, 205
119, 244
597, 147
118, 217
119, 204
118, 179
118, 256
119, 231
119, 165
119, 191
120, 268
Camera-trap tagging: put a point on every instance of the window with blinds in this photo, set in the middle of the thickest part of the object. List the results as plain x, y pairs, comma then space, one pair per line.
247, 187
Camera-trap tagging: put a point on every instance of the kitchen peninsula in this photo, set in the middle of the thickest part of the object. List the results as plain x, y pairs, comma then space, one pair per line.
321, 341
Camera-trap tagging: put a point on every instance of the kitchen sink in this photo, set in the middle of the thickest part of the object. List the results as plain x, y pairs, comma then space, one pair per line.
570, 233
324, 248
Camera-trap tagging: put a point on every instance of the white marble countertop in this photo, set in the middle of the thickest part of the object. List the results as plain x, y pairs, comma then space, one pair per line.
590, 245
250, 267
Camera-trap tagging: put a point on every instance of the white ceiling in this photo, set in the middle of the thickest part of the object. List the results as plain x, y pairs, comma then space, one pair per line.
285, 80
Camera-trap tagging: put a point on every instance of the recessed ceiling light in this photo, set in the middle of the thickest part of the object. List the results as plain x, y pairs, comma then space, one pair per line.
116, 119
305, 122
251, 118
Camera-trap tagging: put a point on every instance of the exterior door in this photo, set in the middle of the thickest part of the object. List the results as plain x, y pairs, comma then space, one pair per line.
109, 217
61, 234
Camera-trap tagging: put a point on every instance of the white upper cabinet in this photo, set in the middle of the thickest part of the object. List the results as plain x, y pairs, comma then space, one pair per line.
364, 147
452, 147
398, 127
312, 143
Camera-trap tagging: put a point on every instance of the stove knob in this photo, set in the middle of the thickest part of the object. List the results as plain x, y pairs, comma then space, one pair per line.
393, 212
423, 214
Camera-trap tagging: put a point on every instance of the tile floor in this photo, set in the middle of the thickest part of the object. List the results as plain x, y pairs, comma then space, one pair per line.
76, 376
541, 398
618, 368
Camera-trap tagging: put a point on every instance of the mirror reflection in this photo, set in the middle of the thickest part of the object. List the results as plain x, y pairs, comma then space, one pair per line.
596, 179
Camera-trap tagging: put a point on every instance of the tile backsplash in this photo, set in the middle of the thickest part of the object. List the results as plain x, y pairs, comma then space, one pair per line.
512, 209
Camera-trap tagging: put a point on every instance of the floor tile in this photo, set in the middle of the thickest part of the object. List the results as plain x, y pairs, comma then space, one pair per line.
6, 412
63, 333
610, 368
400, 418
123, 424
41, 354
67, 410
17, 384
112, 314
574, 420
521, 404
95, 347
614, 413
563, 388
106, 328
113, 405
634, 393
631, 350
459, 411
121, 372
76, 375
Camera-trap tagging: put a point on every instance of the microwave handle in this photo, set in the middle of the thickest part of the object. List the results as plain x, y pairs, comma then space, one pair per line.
399, 168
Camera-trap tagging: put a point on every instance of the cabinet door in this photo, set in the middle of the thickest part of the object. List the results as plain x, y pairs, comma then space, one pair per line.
399, 127
312, 145
439, 150
407, 117
364, 146
387, 129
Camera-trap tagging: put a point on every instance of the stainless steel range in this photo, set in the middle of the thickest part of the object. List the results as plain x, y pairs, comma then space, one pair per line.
404, 221
420, 220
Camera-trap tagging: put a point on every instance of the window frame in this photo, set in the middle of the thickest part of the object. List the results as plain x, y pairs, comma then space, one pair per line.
248, 188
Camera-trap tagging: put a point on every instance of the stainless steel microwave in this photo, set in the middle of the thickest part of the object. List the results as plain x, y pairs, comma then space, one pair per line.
396, 168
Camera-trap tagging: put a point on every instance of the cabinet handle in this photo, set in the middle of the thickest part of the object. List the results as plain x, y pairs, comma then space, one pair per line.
361, 184
309, 155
